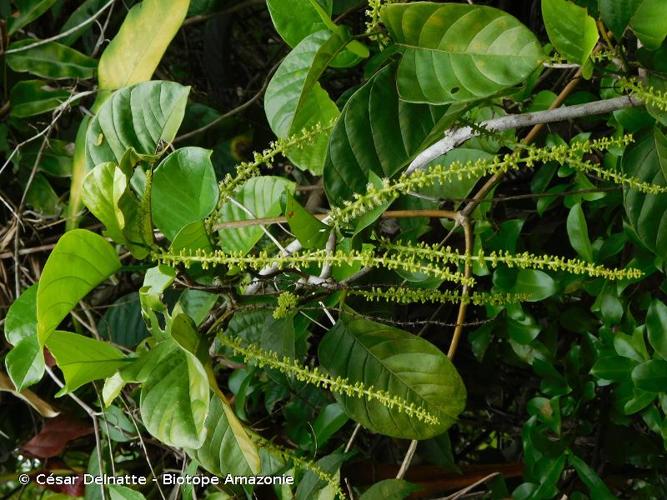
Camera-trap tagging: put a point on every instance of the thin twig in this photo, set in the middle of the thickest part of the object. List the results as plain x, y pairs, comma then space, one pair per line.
64, 33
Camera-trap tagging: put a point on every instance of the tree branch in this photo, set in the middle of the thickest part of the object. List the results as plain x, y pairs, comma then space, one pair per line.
455, 137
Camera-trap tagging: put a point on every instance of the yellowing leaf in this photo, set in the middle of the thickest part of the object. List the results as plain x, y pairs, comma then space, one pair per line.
136, 50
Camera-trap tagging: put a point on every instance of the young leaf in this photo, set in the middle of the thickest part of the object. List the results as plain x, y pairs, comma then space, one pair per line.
377, 132
25, 363
294, 20
175, 400
404, 365
21, 319
184, 190
228, 448
457, 52
134, 53
107, 194
294, 99
83, 359
310, 231
571, 30
651, 376
577, 231
51, 60
80, 261
260, 196
656, 327
34, 97
142, 117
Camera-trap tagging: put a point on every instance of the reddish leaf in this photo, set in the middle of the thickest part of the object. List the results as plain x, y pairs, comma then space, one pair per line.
54, 436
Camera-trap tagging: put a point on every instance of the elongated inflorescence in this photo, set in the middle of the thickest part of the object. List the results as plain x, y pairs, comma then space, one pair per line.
525, 260
339, 385
404, 295
523, 157
258, 261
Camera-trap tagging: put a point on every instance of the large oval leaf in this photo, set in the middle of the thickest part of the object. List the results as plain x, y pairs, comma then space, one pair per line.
141, 117
33, 97
184, 190
175, 400
228, 448
399, 363
134, 53
377, 132
51, 60
83, 359
80, 261
294, 99
647, 213
571, 30
458, 52
261, 198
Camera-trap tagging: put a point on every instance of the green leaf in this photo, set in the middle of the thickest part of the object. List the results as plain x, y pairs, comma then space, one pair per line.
309, 230
616, 14
175, 400
43, 198
294, 20
577, 231
615, 368
197, 304
656, 327
51, 60
649, 22
645, 211
27, 12
21, 319
228, 448
122, 323
404, 365
389, 489
456, 53
537, 285
135, 52
34, 97
294, 99
80, 261
117, 492
107, 194
571, 30
25, 363
184, 190
82, 359
595, 485
651, 376
377, 132
261, 198
142, 117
